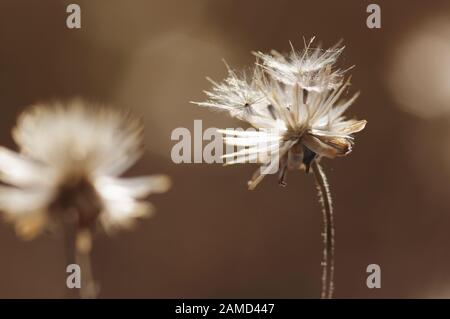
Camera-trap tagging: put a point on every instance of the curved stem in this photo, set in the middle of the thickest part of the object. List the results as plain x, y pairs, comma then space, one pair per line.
328, 231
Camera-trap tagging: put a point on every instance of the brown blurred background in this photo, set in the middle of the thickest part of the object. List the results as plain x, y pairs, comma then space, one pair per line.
211, 237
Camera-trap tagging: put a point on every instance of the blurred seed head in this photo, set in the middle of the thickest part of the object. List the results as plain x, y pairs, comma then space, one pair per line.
68, 167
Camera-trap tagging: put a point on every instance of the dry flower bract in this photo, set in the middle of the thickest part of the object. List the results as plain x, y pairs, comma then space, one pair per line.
69, 166
295, 103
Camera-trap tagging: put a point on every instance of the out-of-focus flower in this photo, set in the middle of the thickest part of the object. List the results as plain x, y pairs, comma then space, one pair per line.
295, 103
70, 160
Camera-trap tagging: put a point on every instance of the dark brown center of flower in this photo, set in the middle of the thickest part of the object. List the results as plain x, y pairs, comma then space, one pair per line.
308, 158
78, 201
294, 133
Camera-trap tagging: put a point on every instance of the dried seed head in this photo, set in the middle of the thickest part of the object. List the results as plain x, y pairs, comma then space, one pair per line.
68, 168
299, 111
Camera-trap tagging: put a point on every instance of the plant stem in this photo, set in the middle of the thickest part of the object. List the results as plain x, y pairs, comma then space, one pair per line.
89, 289
328, 231
69, 242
